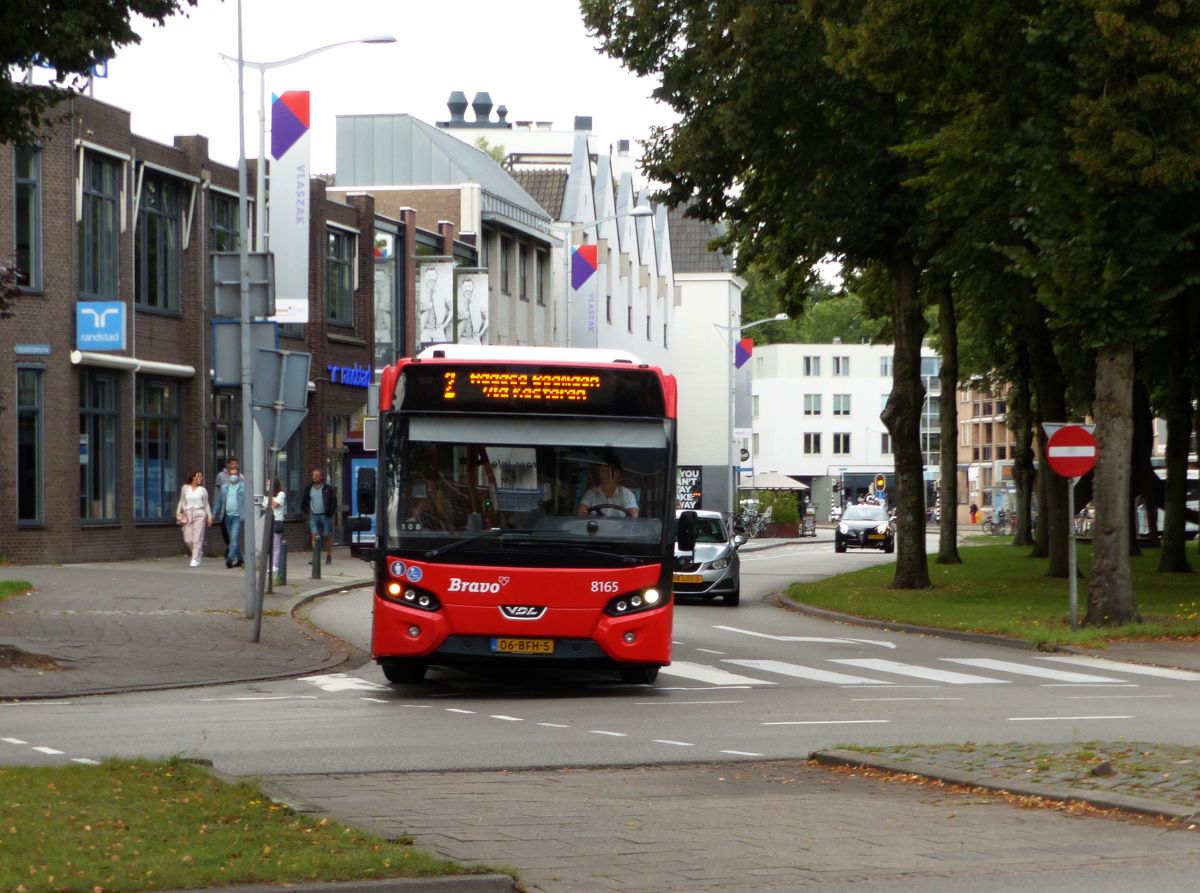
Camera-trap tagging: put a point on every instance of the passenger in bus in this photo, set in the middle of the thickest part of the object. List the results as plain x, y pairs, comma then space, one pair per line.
608, 497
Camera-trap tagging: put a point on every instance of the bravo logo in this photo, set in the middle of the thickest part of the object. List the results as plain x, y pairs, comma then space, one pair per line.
457, 584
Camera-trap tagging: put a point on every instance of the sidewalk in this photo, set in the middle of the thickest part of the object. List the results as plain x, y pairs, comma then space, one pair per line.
157, 623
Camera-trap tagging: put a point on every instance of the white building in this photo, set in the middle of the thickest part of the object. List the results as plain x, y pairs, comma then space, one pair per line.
816, 416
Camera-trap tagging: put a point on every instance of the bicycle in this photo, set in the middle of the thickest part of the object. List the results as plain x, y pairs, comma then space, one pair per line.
752, 523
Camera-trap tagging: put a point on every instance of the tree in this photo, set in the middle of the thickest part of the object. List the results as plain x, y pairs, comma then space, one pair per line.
496, 152
72, 36
784, 139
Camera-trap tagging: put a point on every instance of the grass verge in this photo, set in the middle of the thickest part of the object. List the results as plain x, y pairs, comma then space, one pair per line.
134, 825
13, 587
998, 589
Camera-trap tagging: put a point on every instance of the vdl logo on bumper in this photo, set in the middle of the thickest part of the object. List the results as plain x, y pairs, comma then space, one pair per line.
523, 612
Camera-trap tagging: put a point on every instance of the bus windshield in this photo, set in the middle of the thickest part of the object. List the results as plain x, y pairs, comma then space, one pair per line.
488, 486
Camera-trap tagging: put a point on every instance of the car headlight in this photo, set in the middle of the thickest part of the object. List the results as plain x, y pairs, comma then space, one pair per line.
882, 528
720, 564
843, 529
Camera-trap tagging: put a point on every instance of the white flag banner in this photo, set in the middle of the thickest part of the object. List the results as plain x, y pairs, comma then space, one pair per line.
289, 205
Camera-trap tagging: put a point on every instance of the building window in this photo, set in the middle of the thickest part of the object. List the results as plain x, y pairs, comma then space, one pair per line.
812, 443
292, 472
885, 367
647, 326
226, 430
539, 272
337, 428
27, 216
760, 367
754, 442
629, 319
812, 404
812, 366
841, 444
505, 265
523, 272
30, 445
607, 308
841, 404
841, 367
340, 271
98, 244
97, 446
156, 250
754, 406
223, 223
885, 443
156, 478
665, 344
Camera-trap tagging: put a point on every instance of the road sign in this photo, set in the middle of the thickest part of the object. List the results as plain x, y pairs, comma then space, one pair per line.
1071, 451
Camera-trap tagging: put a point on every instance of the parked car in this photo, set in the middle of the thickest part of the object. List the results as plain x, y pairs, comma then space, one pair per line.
713, 568
865, 527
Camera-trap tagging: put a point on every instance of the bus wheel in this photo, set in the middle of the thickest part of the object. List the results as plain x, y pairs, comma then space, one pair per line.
639, 675
404, 670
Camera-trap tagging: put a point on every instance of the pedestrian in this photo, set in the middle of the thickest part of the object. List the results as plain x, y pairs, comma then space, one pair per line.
194, 514
276, 501
320, 503
221, 480
974, 513
231, 502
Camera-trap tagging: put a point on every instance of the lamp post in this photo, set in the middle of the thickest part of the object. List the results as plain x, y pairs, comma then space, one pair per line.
567, 232
260, 175
733, 332
248, 476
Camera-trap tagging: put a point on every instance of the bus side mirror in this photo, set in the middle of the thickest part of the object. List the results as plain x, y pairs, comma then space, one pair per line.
685, 531
366, 490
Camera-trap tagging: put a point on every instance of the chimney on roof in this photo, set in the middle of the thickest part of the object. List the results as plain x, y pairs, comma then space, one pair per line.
482, 104
457, 103
583, 122
622, 147
501, 114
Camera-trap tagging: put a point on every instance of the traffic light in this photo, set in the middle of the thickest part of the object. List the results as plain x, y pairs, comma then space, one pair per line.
880, 483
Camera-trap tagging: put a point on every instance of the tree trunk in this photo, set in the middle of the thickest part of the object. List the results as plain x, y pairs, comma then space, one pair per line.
902, 415
948, 425
1178, 409
1020, 422
1050, 389
1110, 589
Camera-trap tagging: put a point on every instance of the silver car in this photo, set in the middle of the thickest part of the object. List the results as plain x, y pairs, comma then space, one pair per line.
713, 569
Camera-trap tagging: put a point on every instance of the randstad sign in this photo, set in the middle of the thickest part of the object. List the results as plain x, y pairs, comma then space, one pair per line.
100, 325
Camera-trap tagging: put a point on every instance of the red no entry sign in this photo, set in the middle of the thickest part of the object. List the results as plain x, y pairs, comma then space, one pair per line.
1071, 451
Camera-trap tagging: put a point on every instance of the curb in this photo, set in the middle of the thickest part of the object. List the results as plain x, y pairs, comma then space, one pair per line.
467, 883
1099, 800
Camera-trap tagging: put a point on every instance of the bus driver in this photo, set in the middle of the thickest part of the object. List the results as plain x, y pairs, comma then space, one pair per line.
609, 498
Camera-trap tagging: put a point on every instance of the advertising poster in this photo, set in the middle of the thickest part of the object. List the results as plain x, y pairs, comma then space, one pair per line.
471, 307
689, 487
435, 301
288, 206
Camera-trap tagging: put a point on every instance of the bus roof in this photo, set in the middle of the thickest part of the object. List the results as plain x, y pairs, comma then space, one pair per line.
505, 353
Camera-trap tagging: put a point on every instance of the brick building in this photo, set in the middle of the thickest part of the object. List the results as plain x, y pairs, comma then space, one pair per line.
107, 402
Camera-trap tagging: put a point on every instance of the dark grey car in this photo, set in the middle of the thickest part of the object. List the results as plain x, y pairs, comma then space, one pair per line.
865, 527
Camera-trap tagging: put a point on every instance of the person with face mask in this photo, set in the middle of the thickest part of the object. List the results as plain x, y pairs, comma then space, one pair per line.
231, 501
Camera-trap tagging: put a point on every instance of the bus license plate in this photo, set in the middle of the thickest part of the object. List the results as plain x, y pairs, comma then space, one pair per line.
688, 578
523, 646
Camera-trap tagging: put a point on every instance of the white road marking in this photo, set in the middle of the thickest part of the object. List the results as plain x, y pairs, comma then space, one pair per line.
1111, 697
799, 672
676, 743
742, 753
712, 675
681, 703
13, 741
374, 700
906, 699
265, 698
457, 710
706, 688
554, 725
1008, 666
85, 761
335, 682
507, 718
1090, 685
37, 704
827, 722
1060, 718
710, 651
613, 734
47, 750
1116, 666
816, 639
891, 666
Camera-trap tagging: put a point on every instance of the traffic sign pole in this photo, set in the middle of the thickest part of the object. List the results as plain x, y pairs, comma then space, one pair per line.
1071, 452
1074, 590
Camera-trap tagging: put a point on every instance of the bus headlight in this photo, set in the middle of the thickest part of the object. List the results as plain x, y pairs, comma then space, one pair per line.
633, 602
412, 597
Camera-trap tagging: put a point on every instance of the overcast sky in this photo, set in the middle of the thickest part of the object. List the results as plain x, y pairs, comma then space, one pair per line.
533, 56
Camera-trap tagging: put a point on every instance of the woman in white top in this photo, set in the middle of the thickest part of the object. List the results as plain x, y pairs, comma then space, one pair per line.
194, 514
277, 501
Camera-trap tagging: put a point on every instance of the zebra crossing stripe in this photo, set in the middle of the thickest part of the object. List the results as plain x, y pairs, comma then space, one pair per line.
891, 666
1008, 666
712, 675
1116, 666
799, 672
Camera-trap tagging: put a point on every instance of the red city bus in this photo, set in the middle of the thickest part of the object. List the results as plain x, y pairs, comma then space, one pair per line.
491, 544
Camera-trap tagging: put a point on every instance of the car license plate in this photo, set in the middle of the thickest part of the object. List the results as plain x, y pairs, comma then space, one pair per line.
875, 536
688, 578
523, 646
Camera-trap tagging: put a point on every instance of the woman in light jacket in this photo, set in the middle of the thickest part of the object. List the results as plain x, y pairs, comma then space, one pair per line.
195, 513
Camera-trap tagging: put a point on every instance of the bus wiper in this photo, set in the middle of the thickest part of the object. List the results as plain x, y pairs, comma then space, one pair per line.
450, 547
575, 549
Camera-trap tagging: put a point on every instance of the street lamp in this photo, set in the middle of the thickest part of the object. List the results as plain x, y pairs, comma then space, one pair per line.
567, 232
260, 210
733, 332
253, 609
